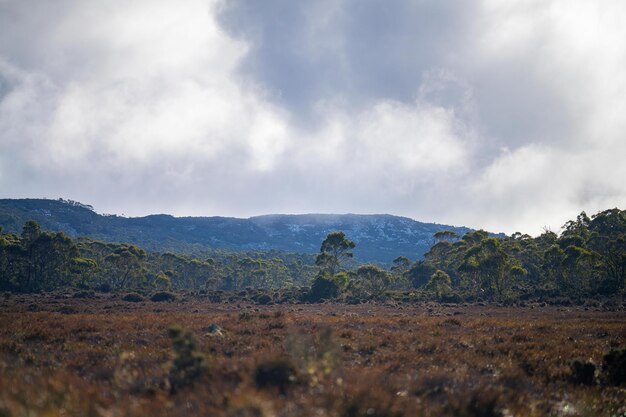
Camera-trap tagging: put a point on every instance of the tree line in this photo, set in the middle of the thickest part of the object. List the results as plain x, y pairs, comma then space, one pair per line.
40, 261
587, 259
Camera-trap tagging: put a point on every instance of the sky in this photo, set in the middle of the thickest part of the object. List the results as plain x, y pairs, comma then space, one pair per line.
503, 115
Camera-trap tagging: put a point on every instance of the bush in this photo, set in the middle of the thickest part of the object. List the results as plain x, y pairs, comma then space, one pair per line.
106, 287
322, 289
582, 372
163, 296
84, 294
215, 296
452, 298
263, 299
132, 297
246, 406
369, 404
614, 367
187, 364
451, 323
277, 373
480, 403
214, 330
68, 310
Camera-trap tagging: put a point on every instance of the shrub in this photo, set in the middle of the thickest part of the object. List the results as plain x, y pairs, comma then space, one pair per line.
187, 364
277, 373
582, 372
214, 330
68, 310
263, 299
106, 287
163, 296
614, 366
369, 404
84, 294
480, 403
451, 323
453, 298
215, 296
132, 297
322, 289
246, 406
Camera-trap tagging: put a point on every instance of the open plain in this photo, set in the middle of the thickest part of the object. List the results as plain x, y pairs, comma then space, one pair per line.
102, 356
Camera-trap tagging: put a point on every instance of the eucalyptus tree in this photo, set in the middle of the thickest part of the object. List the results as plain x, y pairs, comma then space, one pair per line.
370, 281
334, 250
439, 284
128, 266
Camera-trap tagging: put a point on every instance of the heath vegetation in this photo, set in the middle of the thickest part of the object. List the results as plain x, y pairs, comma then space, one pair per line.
192, 357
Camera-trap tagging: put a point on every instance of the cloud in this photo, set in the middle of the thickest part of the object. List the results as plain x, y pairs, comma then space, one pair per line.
507, 116
363, 51
563, 158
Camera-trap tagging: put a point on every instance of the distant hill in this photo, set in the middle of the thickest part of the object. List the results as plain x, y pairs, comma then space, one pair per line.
379, 238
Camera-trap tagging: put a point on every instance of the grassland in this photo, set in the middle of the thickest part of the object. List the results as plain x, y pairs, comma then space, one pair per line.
63, 356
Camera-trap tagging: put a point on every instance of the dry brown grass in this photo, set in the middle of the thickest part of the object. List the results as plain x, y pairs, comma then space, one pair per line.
106, 357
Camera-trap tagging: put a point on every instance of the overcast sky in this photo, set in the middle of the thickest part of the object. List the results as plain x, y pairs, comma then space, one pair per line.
504, 115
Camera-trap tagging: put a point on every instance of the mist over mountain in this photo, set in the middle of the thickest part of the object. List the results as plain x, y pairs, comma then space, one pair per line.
379, 237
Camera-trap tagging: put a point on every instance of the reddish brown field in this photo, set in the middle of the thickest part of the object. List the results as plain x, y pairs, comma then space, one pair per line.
106, 357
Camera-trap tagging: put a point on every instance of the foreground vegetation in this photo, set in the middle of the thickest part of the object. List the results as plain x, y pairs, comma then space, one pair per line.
103, 356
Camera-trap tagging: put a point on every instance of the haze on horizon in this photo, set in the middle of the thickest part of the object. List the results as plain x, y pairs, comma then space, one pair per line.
508, 116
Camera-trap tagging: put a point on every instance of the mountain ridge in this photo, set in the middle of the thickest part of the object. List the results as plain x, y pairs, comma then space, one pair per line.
379, 237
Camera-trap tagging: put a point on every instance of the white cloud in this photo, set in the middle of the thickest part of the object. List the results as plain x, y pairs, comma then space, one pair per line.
576, 50
504, 115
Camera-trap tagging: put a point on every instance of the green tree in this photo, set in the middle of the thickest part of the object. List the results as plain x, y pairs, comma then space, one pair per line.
370, 281
335, 248
84, 269
578, 270
30, 233
127, 263
608, 239
487, 263
446, 235
11, 261
162, 281
552, 267
57, 257
419, 273
439, 284
399, 268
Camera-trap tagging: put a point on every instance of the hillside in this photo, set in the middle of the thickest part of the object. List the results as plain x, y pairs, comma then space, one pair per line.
379, 238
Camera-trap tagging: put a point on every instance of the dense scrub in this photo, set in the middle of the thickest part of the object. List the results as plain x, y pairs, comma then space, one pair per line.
588, 258
190, 357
